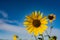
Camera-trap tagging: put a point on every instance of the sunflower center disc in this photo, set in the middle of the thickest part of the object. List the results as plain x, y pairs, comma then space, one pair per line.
50, 17
36, 23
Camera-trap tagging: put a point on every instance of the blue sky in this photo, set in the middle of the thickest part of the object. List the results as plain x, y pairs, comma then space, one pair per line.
13, 12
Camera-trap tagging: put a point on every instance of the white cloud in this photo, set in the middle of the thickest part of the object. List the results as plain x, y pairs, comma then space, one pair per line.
3, 14
13, 29
23, 33
12, 21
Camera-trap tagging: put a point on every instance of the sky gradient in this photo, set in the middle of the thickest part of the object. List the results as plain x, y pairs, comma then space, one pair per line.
13, 12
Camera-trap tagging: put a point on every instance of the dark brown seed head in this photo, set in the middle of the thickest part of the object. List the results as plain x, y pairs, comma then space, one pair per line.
36, 23
50, 17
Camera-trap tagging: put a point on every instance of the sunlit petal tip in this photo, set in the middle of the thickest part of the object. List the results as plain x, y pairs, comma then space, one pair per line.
41, 14
35, 13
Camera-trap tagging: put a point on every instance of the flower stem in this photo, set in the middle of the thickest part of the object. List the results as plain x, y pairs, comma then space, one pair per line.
42, 37
35, 37
51, 28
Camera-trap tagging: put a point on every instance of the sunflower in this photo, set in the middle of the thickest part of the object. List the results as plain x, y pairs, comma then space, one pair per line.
53, 38
15, 37
51, 17
36, 23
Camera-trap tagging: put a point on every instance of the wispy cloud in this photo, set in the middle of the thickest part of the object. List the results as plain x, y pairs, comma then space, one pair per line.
13, 29
23, 33
3, 14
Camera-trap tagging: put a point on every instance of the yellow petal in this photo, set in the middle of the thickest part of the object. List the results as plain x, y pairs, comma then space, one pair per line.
54, 17
51, 21
43, 18
40, 30
29, 17
29, 20
39, 12
44, 22
33, 15
26, 23
36, 32
44, 27
29, 29
40, 16
36, 15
